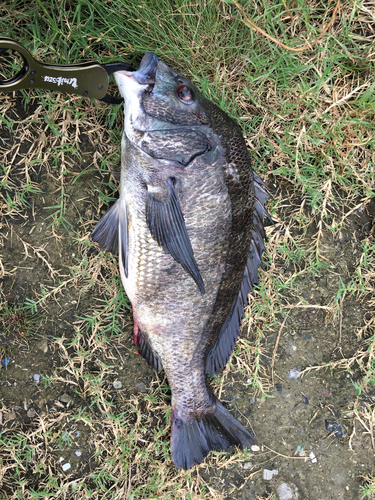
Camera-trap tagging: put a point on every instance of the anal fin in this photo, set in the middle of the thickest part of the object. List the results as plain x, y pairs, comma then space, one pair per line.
146, 351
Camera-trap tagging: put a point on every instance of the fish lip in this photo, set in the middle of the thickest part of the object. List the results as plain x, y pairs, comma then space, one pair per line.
146, 73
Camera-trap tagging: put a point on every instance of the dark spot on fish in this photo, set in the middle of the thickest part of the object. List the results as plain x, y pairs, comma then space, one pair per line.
178, 423
170, 270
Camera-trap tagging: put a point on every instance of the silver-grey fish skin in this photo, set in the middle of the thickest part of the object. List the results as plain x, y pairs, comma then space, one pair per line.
168, 307
193, 152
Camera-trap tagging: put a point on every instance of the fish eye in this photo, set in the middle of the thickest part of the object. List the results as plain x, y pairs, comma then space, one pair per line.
185, 94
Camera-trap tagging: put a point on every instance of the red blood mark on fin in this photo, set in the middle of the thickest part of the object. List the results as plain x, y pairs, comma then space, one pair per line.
136, 334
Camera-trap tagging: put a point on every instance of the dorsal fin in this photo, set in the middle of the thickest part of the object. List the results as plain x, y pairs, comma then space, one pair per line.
221, 351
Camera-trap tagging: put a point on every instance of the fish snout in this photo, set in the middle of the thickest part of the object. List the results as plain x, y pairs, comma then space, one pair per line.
146, 72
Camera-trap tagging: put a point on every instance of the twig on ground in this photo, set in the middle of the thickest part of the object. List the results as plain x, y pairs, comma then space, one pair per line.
277, 345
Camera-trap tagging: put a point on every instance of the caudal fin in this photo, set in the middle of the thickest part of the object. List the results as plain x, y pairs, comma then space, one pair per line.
193, 438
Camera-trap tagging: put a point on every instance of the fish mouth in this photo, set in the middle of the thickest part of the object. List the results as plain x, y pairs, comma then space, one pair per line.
146, 73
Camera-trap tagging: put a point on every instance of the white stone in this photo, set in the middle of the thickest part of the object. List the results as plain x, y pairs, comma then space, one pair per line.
287, 492
247, 465
268, 474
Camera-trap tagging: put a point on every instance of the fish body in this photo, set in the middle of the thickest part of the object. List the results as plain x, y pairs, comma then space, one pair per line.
188, 229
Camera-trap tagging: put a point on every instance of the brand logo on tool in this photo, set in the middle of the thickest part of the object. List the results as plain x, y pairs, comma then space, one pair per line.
60, 80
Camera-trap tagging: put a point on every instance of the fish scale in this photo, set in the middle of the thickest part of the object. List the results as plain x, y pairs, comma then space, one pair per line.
188, 225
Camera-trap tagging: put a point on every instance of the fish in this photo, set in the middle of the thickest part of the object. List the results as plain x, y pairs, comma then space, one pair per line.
188, 230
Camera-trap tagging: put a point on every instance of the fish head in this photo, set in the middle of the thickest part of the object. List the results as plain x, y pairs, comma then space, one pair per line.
157, 97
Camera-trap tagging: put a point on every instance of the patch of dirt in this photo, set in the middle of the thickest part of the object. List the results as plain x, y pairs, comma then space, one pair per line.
72, 382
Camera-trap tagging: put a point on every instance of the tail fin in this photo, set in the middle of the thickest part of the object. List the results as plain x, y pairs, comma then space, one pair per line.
193, 438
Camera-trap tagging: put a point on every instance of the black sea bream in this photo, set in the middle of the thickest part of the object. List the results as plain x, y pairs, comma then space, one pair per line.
188, 229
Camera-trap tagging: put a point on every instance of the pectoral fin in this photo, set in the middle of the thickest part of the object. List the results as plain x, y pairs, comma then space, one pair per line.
167, 226
112, 231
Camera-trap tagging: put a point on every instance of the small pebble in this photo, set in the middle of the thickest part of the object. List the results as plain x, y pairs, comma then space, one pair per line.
268, 474
66, 466
117, 384
78, 453
305, 400
255, 447
31, 413
64, 398
251, 400
64, 437
247, 465
36, 377
141, 387
294, 373
42, 346
279, 387
287, 492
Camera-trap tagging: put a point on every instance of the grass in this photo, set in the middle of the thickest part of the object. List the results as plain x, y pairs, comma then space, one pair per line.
308, 119
17, 325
